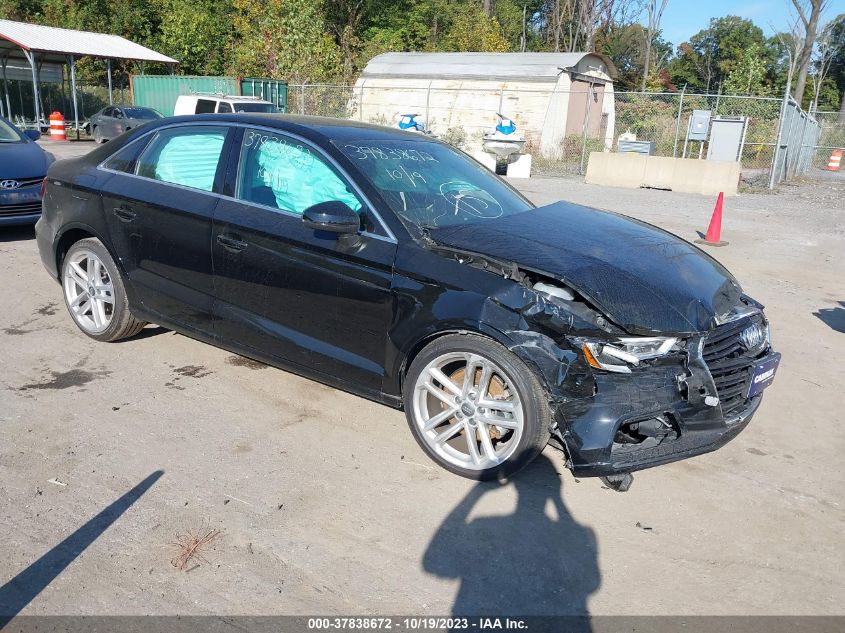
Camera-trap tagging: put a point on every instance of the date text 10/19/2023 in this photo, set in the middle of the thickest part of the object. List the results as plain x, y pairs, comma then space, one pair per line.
420, 623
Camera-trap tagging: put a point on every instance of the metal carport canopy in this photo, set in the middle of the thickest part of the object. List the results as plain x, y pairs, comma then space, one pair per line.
47, 43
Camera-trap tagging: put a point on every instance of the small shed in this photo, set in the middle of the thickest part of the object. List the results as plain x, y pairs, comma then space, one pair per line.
47, 48
550, 96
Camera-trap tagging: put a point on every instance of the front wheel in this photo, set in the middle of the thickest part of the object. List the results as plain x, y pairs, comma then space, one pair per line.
98, 136
94, 293
475, 408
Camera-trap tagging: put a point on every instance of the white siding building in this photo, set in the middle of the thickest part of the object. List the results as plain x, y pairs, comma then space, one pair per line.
550, 96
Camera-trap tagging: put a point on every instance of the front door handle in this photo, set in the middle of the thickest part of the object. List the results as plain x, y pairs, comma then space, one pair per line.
230, 243
125, 214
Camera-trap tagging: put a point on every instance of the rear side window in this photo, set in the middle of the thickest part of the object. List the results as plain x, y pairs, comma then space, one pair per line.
224, 107
124, 160
205, 106
184, 156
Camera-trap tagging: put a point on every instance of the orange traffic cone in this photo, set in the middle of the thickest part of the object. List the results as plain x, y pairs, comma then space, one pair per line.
714, 231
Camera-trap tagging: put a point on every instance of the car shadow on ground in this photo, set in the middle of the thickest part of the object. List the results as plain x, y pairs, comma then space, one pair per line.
23, 588
17, 233
519, 564
150, 330
833, 317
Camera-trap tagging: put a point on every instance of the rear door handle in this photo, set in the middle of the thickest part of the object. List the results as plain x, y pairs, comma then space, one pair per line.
125, 214
230, 243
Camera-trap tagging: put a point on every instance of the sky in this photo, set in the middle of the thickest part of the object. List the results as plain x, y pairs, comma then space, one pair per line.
684, 18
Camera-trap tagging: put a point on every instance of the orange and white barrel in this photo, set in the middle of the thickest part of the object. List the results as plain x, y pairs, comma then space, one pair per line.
835, 160
57, 127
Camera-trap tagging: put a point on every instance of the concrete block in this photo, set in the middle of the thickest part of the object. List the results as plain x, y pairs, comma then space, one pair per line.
708, 177
488, 160
521, 167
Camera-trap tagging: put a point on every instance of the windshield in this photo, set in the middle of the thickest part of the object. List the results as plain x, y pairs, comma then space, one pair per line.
8, 134
431, 184
255, 107
141, 113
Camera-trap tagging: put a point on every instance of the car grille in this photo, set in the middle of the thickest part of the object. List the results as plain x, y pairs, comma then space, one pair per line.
28, 182
14, 210
730, 363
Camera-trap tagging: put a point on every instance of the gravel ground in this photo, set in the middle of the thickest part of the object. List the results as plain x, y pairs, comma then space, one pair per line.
325, 504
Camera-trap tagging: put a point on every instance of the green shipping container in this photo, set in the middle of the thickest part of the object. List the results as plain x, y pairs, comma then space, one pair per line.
272, 90
160, 91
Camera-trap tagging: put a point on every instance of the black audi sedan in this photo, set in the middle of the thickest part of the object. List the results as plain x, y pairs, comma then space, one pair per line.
23, 165
390, 265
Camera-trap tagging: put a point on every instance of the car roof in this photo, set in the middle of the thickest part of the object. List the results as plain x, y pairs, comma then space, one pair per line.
311, 127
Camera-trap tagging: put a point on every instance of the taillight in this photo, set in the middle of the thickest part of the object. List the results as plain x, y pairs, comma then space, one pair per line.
43, 188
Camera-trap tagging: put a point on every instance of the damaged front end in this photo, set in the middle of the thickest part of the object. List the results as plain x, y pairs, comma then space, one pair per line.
622, 403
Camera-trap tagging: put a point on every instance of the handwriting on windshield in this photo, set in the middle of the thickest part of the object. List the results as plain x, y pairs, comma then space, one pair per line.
373, 152
405, 175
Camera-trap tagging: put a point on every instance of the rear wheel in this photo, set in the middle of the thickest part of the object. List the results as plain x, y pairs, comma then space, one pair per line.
94, 293
475, 407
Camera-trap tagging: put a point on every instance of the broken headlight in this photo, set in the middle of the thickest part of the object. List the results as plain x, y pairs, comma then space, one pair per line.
624, 353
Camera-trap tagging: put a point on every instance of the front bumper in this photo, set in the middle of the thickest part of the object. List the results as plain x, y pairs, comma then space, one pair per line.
20, 207
590, 425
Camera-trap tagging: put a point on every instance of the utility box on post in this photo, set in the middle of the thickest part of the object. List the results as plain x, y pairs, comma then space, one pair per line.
699, 123
727, 138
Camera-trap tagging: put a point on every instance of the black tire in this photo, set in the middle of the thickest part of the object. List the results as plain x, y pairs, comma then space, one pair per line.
537, 416
123, 323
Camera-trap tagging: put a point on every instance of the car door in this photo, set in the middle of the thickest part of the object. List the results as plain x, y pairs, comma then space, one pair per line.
307, 297
104, 122
118, 125
159, 218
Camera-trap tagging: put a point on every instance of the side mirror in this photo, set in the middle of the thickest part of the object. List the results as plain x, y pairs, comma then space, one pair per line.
333, 216
32, 135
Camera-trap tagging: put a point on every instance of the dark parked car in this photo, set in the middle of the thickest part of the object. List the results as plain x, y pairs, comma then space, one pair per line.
393, 266
113, 121
23, 165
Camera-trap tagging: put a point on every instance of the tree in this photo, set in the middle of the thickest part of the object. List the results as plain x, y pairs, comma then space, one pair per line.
283, 39
748, 76
789, 47
198, 34
655, 10
810, 21
836, 74
705, 62
825, 53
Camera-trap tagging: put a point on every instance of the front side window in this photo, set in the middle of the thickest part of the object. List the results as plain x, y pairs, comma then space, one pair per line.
224, 107
108, 112
282, 173
184, 156
430, 184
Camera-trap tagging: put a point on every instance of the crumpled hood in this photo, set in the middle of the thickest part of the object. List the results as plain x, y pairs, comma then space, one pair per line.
643, 278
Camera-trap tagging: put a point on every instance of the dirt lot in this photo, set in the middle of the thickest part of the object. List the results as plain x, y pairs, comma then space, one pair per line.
325, 504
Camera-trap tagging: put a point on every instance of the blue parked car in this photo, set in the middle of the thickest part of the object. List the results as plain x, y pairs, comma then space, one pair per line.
23, 166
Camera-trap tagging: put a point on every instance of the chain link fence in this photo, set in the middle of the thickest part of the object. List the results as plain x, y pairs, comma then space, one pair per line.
831, 137
781, 141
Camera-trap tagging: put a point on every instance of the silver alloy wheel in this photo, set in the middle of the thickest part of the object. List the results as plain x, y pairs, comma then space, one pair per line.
468, 411
89, 291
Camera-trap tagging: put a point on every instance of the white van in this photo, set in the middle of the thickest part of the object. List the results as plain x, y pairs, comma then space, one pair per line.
207, 104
